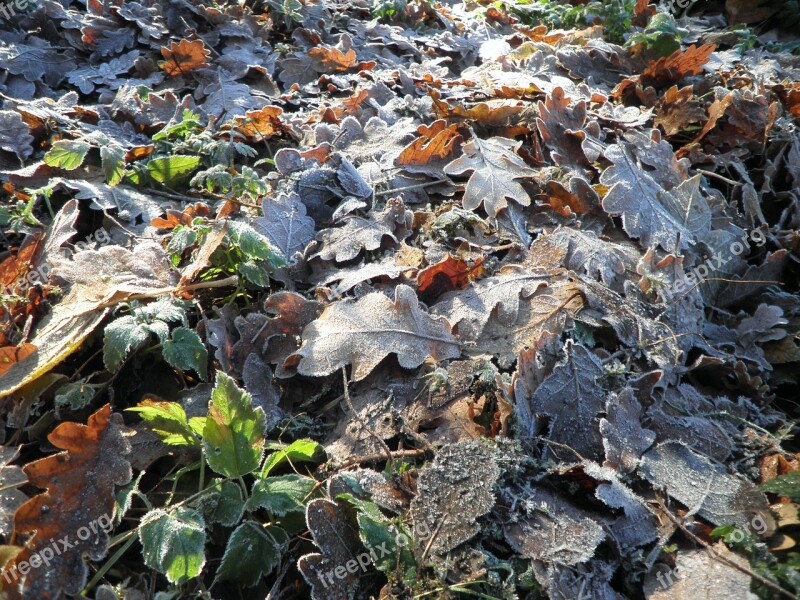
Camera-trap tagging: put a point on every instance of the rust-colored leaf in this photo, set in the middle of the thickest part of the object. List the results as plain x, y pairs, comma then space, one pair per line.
10, 355
494, 113
77, 508
259, 125
185, 217
671, 69
434, 143
16, 266
184, 57
563, 201
448, 275
677, 110
332, 59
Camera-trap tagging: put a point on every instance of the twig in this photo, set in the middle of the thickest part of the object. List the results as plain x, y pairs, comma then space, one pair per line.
717, 556
379, 456
720, 177
411, 187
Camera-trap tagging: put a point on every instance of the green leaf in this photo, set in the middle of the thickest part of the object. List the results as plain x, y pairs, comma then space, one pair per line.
233, 435
121, 337
252, 244
67, 154
168, 421
75, 396
376, 531
182, 238
252, 552
186, 351
785, 485
223, 504
254, 272
298, 451
173, 543
281, 495
172, 169
113, 162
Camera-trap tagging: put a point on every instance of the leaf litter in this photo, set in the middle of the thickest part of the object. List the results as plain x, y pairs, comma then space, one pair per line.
502, 297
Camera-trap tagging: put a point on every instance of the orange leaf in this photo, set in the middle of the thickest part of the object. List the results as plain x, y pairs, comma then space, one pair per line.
449, 274
671, 69
184, 57
332, 59
75, 514
259, 125
435, 143
678, 109
10, 355
494, 113
176, 217
16, 266
564, 202
793, 101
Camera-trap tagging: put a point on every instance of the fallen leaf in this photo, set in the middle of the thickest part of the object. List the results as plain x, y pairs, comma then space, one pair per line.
671, 69
181, 58
434, 144
495, 165
364, 332
259, 125
81, 482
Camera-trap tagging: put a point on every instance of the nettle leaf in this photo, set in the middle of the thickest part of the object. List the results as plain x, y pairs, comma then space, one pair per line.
67, 154
173, 543
281, 495
252, 552
112, 159
223, 504
185, 350
786, 485
376, 531
297, 452
172, 169
168, 421
495, 165
253, 244
76, 395
233, 435
121, 337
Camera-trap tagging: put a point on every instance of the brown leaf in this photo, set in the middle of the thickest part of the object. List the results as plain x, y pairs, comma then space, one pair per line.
184, 57
78, 506
435, 143
259, 125
448, 275
364, 332
678, 109
562, 129
671, 69
10, 355
333, 60
494, 113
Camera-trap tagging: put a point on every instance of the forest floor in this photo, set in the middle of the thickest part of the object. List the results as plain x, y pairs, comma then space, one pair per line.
350, 300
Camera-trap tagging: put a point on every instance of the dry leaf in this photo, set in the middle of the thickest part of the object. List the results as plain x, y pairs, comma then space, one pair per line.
181, 58
364, 332
671, 69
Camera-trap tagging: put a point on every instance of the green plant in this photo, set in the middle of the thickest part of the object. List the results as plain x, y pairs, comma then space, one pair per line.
662, 35
258, 519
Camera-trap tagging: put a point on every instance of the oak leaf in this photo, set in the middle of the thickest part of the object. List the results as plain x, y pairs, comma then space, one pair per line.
259, 125
448, 275
78, 506
184, 57
435, 143
364, 332
494, 165
671, 69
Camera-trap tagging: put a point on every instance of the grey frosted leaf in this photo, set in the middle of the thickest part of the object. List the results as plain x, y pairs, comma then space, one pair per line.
557, 532
129, 202
363, 332
357, 233
452, 492
586, 580
148, 18
335, 531
14, 134
104, 74
230, 97
705, 488
37, 63
624, 438
763, 326
495, 166
697, 574
572, 400
470, 309
689, 207
642, 202
298, 68
349, 278
285, 224
257, 379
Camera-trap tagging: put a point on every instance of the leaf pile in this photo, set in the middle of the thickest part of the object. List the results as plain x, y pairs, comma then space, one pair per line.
502, 297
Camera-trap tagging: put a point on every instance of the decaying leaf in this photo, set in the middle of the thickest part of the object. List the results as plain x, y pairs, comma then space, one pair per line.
703, 487
364, 332
676, 66
452, 492
181, 58
79, 504
285, 224
11, 478
335, 531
